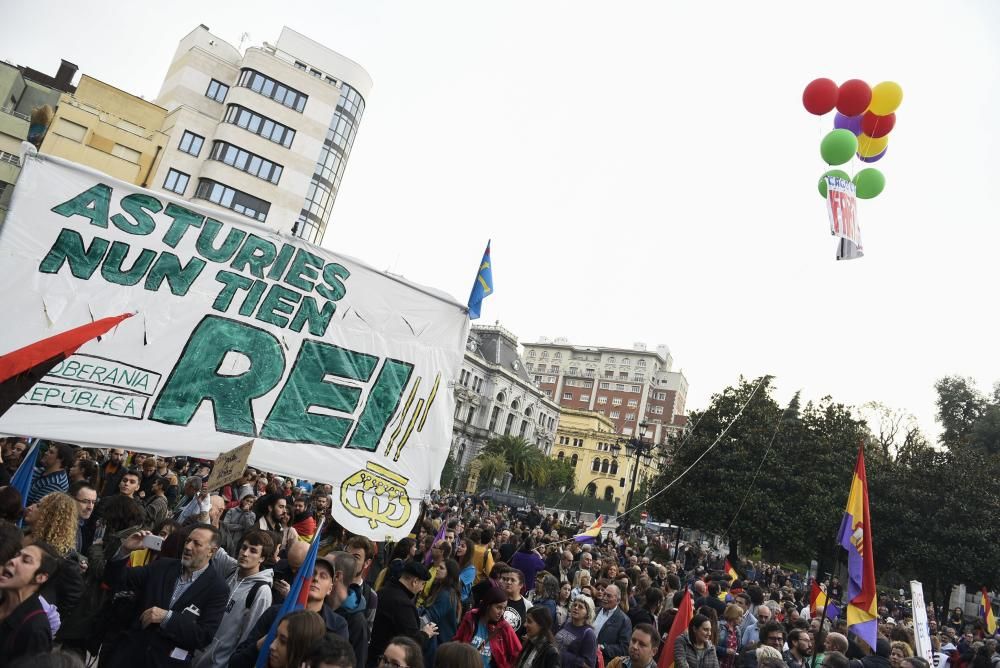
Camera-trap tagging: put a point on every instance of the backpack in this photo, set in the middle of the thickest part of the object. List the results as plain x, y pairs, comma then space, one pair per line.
252, 595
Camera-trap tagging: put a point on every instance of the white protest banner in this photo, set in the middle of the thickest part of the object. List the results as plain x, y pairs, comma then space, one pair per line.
842, 207
338, 372
922, 637
229, 466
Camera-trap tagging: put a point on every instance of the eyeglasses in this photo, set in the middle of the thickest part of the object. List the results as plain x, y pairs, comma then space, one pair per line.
382, 661
776, 638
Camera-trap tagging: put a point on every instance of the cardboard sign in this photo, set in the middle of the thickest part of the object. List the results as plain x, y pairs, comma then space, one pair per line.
229, 466
922, 637
338, 372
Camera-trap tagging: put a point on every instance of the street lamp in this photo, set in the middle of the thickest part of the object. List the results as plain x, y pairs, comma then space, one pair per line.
642, 451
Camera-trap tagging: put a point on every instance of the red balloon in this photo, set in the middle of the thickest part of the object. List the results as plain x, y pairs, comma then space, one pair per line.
877, 126
820, 96
854, 97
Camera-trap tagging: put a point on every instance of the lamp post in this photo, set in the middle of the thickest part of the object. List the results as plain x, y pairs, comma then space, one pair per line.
642, 451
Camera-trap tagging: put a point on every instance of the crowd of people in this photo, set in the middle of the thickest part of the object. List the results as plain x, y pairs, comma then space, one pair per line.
120, 559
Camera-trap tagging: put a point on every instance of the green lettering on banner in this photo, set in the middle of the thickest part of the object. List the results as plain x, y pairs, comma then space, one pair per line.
196, 377
275, 303
256, 254
207, 237
183, 219
290, 419
179, 278
92, 204
139, 205
230, 284
308, 313
253, 297
112, 270
284, 257
68, 248
304, 270
383, 400
334, 288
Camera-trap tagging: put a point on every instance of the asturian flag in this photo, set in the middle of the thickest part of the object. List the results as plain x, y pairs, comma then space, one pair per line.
856, 538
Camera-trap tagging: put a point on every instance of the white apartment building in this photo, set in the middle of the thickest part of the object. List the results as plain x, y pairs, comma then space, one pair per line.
266, 133
495, 396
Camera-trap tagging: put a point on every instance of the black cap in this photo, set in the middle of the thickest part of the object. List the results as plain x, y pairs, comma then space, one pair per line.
417, 570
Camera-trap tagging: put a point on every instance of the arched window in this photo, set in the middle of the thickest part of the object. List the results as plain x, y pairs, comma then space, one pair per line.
591, 490
626, 361
560, 455
557, 356
597, 464
609, 493
514, 404
604, 466
501, 397
573, 460
614, 467
611, 360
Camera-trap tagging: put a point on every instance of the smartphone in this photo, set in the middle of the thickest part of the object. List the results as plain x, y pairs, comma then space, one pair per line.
154, 543
99, 531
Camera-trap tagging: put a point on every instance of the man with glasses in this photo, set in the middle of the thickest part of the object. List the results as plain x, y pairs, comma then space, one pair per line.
612, 625
752, 635
86, 500
799, 648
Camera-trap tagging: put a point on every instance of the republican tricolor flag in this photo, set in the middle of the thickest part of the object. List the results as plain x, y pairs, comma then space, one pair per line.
856, 537
819, 604
298, 595
731, 572
591, 534
986, 613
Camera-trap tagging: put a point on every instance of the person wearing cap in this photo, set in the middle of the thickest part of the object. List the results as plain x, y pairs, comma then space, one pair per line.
326, 593
397, 611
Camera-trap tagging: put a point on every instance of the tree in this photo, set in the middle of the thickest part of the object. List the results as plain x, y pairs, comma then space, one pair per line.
526, 462
960, 405
492, 467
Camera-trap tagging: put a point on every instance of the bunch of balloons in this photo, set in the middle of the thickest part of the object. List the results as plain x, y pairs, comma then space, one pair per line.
865, 117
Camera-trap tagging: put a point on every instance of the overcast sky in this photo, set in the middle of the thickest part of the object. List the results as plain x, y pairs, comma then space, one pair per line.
646, 170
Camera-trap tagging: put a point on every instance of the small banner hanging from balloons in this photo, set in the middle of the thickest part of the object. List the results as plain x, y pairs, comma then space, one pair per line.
861, 125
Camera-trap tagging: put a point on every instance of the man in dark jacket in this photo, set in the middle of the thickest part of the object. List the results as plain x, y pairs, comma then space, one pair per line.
325, 594
397, 612
183, 601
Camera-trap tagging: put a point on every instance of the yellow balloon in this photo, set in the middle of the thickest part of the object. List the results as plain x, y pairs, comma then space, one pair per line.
886, 98
869, 146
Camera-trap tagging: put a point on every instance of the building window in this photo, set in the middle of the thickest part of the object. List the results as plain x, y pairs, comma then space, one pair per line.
573, 460
615, 415
660, 396
217, 90
630, 417
316, 73
191, 143
530, 366
637, 388
509, 425
604, 386
614, 467
230, 198
300, 66
602, 400
611, 360
567, 395
259, 125
176, 182
557, 356
597, 464
619, 387
545, 354
584, 397
617, 401
632, 403
272, 89
561, 455
604, 466
641, 363
245, 161
472, 414
531, 353
625, 361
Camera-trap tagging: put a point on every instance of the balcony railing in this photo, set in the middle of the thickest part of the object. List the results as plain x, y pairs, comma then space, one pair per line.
16, 114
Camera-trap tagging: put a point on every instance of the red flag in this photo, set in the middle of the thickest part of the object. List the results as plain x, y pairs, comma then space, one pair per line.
22, 368
684, 614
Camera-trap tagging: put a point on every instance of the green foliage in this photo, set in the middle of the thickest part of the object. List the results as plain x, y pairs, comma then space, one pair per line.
492, 467
525, 462
931, 509
448, 473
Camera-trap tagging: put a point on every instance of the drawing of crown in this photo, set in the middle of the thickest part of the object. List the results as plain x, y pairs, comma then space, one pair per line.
377, 494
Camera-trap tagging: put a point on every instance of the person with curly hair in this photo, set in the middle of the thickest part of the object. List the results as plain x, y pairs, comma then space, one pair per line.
53, 521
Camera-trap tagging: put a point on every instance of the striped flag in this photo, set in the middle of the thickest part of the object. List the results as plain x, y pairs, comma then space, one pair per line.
298, 594
986, 612
23, 477
731, 572
591, 534
856, 537
680, 626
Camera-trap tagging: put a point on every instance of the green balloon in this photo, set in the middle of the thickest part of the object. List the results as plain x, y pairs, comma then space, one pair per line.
869, 183
833, 172
838, 147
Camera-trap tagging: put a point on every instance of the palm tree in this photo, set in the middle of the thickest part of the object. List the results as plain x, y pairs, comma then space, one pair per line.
491, 467
526, 462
